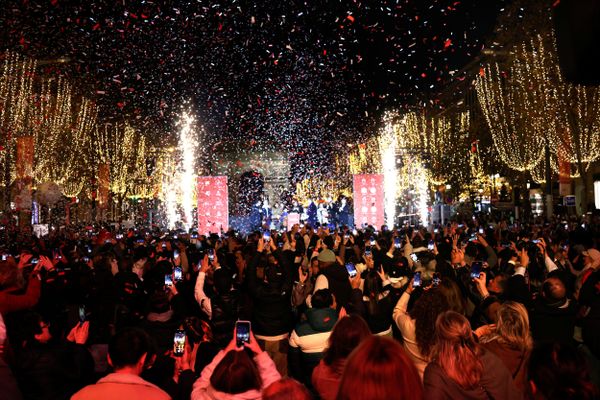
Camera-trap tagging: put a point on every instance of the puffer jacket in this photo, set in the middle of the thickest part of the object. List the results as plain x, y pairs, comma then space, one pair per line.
204, 391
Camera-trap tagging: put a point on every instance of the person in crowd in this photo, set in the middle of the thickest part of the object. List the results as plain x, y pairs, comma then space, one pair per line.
10, 285
418, 325
130, 352
557, 371
237, 373
510, 340
222, 309
379, 368
284, 389
271, 316
463, 369
309, 338
332, 274
47, 366
349, 332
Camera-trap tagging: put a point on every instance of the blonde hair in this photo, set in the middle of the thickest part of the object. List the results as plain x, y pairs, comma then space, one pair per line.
456, 351
512, 327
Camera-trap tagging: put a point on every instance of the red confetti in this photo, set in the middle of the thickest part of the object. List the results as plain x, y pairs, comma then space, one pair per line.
96, 27
350, 18
447, 43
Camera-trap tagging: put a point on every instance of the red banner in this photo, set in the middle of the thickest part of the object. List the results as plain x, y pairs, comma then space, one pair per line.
24, 165
368, 200
213, 204
103, 184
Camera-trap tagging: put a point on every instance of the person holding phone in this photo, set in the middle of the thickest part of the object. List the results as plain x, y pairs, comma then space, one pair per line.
418, 325
129, 353
272, 313
9, 299
238, 371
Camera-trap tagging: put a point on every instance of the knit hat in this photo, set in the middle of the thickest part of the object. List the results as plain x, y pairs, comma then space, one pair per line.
326, 255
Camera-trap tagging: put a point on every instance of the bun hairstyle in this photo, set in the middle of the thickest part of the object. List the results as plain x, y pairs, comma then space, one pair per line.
456, 350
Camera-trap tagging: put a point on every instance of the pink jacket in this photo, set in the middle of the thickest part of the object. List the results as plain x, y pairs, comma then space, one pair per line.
204, 391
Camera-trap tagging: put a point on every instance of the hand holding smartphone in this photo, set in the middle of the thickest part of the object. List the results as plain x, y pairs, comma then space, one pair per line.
242, 332
476, 269
416, 280
351, 269
179, 343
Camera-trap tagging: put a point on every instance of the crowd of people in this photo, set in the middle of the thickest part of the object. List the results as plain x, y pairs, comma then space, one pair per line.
473, 309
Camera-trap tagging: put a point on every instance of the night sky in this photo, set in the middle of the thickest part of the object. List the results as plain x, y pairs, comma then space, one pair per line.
299, 73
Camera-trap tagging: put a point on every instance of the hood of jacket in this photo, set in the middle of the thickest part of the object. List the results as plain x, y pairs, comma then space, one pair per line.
321, 319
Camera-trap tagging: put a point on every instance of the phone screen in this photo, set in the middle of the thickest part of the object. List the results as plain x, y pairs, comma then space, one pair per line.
4, 257
242, 332
480, 231
82, 316
417, 279
430, 245
168, 280
414, 257
351, 269
368, 251
178, 273
176, 254
211, 254
436, 279
397, 243
179, 343
476, 269
267, 236
373, 242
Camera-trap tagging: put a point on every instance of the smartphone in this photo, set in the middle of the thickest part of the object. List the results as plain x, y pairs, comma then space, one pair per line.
211, 254
351, 270
176, 254
373, 242
436, 230
417, 279
414, 257
179, 343
178, 272
430, 245
346, 236
4, 257
194, 236
397, 243
34, 260
476, 269
119, 236
267, 236
473, 238
242, 332
168, 280
141, 241
164, 245
354, 232
536, 241
480, 231
82, 314
280, 244
368, 251
436, 279
86, 259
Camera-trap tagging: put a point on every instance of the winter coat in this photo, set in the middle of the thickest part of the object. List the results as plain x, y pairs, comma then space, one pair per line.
309, 340
326, 379
515, 360
119, 386
204, 391
272, 311
496, 383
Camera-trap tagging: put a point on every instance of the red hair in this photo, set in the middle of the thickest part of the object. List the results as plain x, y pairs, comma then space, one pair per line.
456, 351
380, 369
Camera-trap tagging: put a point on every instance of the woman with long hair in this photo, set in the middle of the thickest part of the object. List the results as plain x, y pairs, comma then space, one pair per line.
418, 325
236, 373
347, 334
510, 340
463, 369
380, 369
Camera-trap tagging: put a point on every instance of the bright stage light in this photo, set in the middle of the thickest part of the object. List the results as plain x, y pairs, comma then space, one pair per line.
188, 142
387, 147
